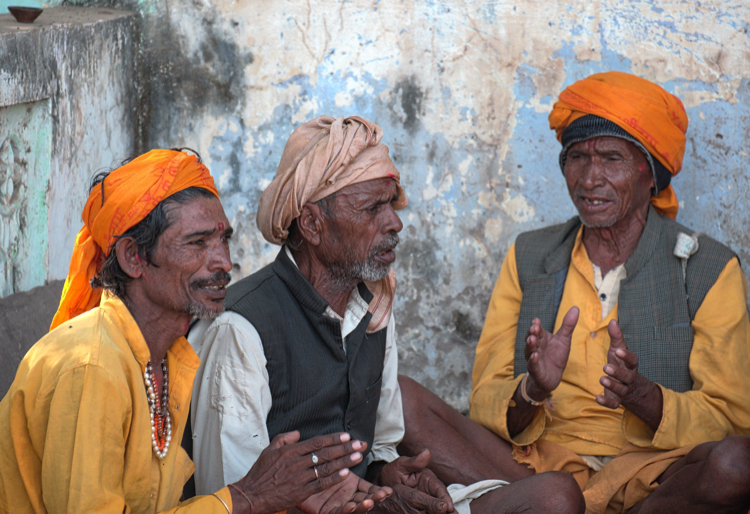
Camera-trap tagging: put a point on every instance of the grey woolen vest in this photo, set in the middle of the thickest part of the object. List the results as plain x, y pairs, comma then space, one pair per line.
316, 387
656, 304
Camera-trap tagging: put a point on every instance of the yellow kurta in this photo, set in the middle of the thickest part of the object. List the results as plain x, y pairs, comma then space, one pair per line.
717, 406
75, 431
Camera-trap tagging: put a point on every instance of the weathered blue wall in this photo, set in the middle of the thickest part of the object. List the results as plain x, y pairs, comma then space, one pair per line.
462, 91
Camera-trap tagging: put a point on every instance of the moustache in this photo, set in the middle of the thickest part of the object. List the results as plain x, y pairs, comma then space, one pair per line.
216, 278
391, 240
607, 195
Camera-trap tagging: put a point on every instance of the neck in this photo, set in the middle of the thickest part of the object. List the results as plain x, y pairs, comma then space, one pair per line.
608, 247
332, 287
160, 329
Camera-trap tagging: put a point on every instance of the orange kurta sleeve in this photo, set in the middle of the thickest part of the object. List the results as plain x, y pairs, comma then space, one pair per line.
492, 377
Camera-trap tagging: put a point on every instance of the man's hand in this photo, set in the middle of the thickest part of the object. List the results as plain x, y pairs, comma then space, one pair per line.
284, 475
351, 496
416, 489
547, 355
623, 385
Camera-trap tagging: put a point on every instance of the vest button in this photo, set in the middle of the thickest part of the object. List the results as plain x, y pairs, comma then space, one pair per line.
593, 334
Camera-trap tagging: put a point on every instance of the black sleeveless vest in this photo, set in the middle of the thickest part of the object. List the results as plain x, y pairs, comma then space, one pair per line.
656, 304
316, 387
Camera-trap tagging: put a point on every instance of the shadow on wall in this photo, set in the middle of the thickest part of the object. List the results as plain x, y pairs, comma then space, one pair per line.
25, 318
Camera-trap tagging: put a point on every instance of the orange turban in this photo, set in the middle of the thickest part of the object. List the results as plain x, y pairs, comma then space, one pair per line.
644, 110
124, 198
321, 157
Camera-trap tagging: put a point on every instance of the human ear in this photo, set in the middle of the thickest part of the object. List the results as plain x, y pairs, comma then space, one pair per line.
310, 224
127, 257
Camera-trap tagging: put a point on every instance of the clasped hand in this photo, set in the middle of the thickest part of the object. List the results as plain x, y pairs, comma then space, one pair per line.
416, 489
285, 476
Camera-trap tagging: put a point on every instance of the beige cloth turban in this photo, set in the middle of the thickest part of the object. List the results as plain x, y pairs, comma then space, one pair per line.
321, 157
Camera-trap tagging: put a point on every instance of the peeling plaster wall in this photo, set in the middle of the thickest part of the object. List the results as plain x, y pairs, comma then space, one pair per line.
72, 72
462, 91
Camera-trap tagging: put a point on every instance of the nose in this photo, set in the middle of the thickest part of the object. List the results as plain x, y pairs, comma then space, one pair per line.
392, 221
592, 173
219, 258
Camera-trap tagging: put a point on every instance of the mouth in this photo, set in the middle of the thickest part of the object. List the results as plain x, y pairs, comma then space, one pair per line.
386, 256
594, 204
214, 287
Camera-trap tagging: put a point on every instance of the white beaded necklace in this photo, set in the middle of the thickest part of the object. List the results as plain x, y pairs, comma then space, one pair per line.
161, 423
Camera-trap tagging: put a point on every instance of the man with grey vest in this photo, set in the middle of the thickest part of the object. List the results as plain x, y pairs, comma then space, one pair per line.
308, 342
615, 346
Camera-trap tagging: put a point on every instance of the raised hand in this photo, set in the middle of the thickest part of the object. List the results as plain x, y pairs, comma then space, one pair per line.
285, 475
547, 355
351, 496
624, 385
416, 489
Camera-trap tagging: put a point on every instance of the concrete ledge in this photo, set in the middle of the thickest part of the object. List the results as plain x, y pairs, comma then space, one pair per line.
24, 318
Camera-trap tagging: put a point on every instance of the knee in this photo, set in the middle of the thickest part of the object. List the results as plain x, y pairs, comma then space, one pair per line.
416, 398
559, 493
725, 471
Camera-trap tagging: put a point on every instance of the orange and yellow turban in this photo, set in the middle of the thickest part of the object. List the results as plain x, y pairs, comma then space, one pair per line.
654, 117
124, 198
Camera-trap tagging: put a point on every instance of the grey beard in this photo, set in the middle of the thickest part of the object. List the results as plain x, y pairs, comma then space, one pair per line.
202, 311
366, 269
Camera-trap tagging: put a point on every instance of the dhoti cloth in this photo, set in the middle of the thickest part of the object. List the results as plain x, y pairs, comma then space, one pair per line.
614, 489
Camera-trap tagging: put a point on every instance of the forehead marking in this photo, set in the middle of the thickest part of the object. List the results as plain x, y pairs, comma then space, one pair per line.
221, 226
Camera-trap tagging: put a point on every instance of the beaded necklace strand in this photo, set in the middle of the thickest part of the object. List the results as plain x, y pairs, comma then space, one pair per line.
161, 423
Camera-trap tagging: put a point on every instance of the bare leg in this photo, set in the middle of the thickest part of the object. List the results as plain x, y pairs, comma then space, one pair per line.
554, 492
712, 478
463, 452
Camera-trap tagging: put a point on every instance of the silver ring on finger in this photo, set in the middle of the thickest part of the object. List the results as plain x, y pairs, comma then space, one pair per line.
315, 468
314, 458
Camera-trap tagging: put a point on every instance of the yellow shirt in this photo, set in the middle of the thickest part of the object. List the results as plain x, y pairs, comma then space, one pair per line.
717, 406
75, 430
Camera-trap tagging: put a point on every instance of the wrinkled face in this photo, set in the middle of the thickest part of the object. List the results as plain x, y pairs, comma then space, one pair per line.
609, 180
362, 231
190, 267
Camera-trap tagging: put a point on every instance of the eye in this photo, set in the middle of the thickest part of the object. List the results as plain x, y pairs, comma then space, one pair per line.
197, 242
225, 239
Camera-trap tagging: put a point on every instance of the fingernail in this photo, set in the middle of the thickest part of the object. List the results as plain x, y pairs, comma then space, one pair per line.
356, 456
344, 472
345, 437
620, 353
441, 506
609, 369
357, 445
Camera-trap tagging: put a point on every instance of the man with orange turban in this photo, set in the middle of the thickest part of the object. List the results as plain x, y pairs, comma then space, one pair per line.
90, 421
615, 346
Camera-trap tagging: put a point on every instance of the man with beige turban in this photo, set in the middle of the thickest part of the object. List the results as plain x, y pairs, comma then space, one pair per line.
615, 346
308, 343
